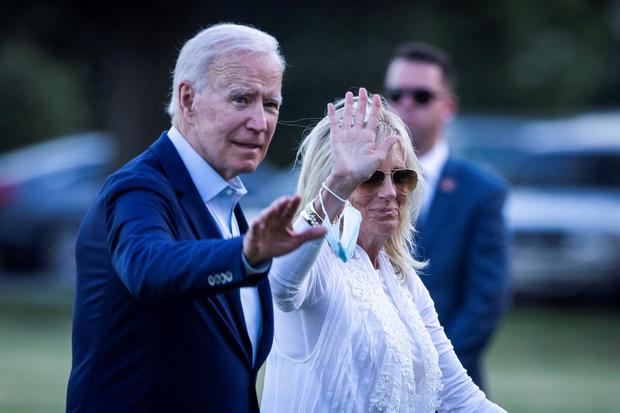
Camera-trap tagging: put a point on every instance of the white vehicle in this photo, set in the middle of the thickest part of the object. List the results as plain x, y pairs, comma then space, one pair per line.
564, 207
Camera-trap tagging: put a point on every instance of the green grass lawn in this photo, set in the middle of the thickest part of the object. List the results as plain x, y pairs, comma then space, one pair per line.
557, 361
543, 360
35, 349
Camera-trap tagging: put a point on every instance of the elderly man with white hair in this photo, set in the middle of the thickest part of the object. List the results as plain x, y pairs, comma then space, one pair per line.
173, 308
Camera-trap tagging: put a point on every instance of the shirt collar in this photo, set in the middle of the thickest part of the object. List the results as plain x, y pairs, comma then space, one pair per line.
434, 160
207, 181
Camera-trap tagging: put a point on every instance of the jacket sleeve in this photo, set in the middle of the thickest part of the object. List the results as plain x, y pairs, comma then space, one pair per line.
486, 285
148, 254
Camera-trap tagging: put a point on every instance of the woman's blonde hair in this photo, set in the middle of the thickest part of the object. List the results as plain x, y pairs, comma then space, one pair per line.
314, 155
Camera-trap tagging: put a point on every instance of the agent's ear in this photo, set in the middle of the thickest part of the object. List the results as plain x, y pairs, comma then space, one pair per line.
187, 97
450, 107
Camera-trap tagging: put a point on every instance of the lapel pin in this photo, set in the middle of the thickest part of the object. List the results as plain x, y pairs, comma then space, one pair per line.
447, 185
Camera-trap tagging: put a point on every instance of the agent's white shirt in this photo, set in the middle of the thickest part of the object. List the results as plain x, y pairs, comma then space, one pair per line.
432, 164
221, 197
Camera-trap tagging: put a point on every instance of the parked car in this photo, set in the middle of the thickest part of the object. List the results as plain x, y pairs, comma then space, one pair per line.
564, 207
45, 189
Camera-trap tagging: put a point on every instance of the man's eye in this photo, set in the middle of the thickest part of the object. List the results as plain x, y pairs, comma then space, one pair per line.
242, 99
272, 105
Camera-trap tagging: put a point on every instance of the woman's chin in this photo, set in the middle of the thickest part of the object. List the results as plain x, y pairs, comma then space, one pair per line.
383, 230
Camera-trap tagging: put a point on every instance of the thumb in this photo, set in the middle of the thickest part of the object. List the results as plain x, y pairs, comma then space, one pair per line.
311, 233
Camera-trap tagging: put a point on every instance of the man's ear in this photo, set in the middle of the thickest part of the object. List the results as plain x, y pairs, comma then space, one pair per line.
186, 100
450, 107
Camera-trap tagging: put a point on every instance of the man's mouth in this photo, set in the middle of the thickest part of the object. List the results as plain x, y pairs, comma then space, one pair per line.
248, 145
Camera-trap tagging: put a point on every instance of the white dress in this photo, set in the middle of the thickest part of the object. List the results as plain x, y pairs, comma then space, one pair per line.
349, 338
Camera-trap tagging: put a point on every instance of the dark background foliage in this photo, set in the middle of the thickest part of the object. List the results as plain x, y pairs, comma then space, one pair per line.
66, 66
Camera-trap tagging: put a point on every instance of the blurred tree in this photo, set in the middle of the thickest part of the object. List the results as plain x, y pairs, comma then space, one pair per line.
41, 96
526, 56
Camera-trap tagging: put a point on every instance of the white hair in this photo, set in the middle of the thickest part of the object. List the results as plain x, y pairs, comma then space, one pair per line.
316, 164
218, 40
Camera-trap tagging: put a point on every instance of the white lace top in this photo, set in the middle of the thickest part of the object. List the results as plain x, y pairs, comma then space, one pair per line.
349, 338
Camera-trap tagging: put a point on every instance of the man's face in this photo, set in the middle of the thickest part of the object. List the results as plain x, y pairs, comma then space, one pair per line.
424, 118
234, 117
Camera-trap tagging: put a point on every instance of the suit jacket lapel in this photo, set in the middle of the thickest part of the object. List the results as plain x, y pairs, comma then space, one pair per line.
234, 296
266, 339
204, 227
264, 293
439, 208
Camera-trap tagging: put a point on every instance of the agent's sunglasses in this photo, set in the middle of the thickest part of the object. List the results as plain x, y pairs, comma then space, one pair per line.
404, 180
420, 96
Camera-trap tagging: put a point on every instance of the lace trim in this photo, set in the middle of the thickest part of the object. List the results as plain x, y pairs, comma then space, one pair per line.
395, 390
430, 357
387, 394
386, 397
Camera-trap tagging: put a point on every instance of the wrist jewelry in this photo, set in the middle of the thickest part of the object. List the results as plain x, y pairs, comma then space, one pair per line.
310, 216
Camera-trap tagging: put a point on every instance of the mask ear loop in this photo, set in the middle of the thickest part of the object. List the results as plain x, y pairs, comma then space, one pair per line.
335, 234
344, 201
336, 219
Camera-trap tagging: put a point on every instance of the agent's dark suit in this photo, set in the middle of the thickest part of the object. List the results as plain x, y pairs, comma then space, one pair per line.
158, 324
465, 238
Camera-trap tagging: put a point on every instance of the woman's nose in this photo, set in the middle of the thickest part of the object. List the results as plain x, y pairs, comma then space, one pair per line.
387, 188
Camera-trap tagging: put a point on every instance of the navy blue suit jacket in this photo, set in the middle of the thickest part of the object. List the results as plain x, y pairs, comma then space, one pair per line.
158, 324
464, 238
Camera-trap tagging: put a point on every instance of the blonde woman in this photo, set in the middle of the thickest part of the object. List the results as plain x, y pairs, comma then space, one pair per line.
355, 328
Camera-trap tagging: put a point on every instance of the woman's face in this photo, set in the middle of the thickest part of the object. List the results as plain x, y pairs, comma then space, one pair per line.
380, 206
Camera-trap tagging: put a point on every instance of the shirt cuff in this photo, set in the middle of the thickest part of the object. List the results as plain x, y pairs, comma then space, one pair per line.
260, 268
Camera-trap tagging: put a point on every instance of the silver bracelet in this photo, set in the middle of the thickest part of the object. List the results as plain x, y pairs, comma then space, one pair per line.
310, 216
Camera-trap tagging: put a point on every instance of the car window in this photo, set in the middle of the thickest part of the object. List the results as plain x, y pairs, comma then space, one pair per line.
577, 152
66, 178
570, 170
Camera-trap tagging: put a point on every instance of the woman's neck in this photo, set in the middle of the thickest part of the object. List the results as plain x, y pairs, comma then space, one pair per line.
372, 247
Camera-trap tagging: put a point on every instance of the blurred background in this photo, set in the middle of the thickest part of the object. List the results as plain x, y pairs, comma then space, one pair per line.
83, 90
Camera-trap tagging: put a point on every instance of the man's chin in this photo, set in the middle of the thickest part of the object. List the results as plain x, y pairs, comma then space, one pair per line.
247, 164
248, 167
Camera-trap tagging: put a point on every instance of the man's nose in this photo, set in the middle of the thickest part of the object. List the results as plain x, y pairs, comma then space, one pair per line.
258, 119
408, 101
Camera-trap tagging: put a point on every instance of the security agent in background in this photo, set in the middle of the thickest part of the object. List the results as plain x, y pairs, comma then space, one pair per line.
461, 230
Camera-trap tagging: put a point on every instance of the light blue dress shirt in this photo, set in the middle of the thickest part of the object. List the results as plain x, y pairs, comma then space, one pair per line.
221, 197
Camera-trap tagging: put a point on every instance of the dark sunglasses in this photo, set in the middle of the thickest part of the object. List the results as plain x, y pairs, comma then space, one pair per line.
404, 180
419, 95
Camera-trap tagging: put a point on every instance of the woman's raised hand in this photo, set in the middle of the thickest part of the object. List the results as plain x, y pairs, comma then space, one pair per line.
354, 155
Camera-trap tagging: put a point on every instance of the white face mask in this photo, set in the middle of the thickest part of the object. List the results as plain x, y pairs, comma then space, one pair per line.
343, 245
